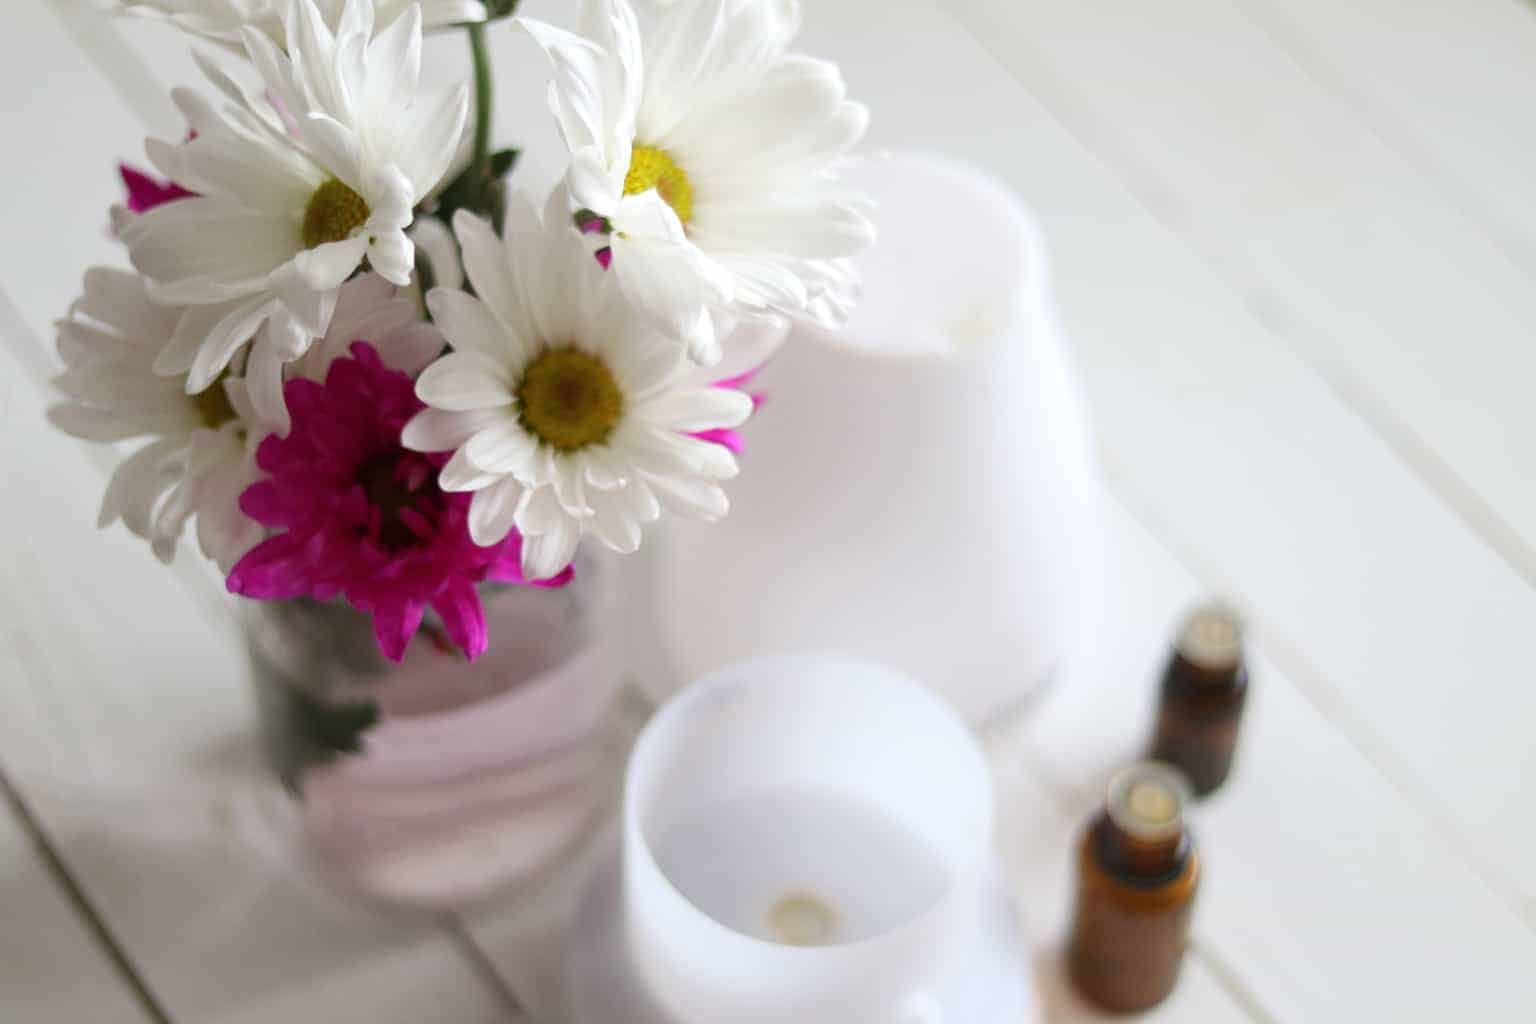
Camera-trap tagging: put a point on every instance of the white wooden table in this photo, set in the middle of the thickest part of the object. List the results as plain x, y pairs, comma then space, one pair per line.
1296, 247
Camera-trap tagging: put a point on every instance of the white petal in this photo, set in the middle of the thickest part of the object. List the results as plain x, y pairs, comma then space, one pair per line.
434, 241
436, 430
264, 382
502, 448
170, 520
470, 326
102, 425
596, 180
605, 471
654, 452
576, 95
547, 554
187, 340
748, 344
119, 297
224, 339
459, 475
491, 512
539, 511
659, 270
461, 381
806, 227
570, 487
640, 502
411, 348
137, 483
677, 47
307, 311
327, 266
697, 499
336, 146
209, 240
613, 525
393, 256
795, 92
398, 49
712, 460
488, 266
764, 282
690, 410
433, 141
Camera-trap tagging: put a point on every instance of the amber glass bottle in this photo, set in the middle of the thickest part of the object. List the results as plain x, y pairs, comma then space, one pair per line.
1203, 693
1137, 876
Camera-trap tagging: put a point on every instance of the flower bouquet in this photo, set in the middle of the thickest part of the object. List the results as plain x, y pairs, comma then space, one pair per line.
397, 398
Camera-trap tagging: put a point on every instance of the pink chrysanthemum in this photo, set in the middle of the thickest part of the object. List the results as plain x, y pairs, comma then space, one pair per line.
363, 517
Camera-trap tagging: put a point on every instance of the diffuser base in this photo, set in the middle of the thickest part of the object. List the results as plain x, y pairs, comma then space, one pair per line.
600, 985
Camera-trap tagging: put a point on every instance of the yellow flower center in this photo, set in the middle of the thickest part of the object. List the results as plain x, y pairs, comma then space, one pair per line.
213, 405
333, 213
650, 168
568, 399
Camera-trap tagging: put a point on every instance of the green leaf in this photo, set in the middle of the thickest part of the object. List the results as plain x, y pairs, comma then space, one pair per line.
503, 161
335, 728
458, 195
303, 731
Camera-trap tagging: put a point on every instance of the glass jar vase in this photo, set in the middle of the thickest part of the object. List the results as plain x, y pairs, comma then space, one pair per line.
439, 782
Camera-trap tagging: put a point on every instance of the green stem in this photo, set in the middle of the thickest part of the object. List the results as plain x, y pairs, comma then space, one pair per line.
480, 167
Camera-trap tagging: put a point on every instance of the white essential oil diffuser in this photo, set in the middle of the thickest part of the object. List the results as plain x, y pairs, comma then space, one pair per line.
919, 488
806, 839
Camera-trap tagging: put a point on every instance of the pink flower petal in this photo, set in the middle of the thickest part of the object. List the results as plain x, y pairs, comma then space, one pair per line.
146, 192
394, 626
464, 617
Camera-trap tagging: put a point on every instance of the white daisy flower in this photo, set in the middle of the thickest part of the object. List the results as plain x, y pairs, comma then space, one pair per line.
568, 415
292, 195
713, 153
198, 458
223, 20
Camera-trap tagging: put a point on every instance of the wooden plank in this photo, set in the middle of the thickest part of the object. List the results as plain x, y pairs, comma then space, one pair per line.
51, 967
1446, 85
1257, 465
1405, 304
1325, 889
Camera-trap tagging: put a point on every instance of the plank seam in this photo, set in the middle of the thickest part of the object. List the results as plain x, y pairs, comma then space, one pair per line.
85, 910
482, 966
1227, 976
1102, 144
1490, 529
1459, 194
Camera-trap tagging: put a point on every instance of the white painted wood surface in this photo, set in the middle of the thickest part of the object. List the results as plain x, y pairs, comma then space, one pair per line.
1296, 246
